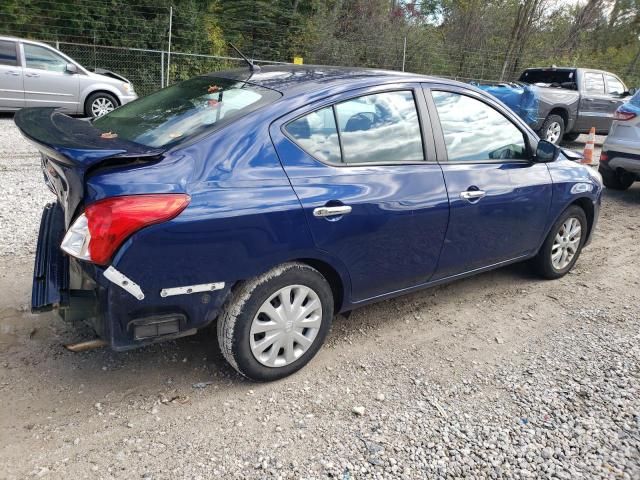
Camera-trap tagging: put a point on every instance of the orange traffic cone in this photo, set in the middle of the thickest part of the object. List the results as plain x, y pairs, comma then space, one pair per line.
587, 158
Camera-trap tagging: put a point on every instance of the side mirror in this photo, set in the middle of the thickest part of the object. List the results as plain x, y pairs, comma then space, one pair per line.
632, 91
546, 152
71, 68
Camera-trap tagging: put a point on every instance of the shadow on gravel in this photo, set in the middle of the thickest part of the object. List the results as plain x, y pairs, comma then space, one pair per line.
630, 196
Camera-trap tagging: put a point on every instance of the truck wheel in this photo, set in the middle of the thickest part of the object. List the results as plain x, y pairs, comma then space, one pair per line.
571, 137
616, 179
563, 245
99, 103
552, 129
275, 323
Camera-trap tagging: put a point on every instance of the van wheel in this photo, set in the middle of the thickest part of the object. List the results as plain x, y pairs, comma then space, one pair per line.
552, 129
563, 245
615, 180
100, 103
273, 325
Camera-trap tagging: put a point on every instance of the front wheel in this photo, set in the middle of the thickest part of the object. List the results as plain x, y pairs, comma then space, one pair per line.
274, 324
563, 245
99, 104
552, 129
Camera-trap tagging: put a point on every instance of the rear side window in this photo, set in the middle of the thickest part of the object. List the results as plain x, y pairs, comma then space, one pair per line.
378, 128
594, 83
185, 109
8, 53
473, 131
317, 134
614, 86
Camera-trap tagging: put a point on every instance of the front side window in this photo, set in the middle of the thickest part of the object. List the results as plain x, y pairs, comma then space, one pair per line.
594, 83
473, 131
614, 86
42, 58
8, 53
185, 109
378, 128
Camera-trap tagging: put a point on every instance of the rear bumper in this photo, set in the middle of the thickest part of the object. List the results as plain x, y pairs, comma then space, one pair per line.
629, 162
80, 291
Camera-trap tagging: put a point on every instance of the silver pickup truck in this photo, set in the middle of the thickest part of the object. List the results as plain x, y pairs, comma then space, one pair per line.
564, 102
33, 74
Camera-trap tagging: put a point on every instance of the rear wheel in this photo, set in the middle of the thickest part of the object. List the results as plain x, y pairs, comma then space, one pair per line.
563, 245
552, 129
274, 324
100, 103
616, 179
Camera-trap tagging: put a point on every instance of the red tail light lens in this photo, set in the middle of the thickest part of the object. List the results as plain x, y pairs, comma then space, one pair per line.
112, 220
623, 114
604, 157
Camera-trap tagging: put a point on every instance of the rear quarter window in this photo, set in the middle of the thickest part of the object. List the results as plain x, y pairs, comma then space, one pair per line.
8, 53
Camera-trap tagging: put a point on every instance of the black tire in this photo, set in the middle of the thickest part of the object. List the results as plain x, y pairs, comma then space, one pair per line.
616, 180
550, 121
88, 104
234, 323
571, 137
542, 261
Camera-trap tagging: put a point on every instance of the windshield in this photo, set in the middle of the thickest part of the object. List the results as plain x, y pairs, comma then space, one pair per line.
184, 110
549, 77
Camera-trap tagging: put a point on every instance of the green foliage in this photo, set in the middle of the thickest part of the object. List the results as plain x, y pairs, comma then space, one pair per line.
466, 39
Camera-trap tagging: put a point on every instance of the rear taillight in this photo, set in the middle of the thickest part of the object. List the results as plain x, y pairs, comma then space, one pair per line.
623, 114
100, 230
604, 157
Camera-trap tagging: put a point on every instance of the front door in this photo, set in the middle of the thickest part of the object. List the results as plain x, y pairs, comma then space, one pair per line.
46, 81
499, 199
372, 198
11, 86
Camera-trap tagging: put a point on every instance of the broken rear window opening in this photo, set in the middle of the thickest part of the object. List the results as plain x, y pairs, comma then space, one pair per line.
558, 78
183, 110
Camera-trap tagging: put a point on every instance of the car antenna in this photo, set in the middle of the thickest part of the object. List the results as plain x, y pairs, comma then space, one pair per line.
252, 66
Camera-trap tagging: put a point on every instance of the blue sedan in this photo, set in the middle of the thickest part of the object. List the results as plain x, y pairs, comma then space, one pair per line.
268, 201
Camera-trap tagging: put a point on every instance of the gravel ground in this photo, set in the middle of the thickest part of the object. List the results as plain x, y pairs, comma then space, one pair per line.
497, 376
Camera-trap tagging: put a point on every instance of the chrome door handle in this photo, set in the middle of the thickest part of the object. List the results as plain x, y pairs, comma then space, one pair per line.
331, 211
471, 195
15, 74
32, 74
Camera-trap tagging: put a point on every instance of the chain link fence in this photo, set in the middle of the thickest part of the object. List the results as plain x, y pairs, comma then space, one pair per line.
150, 70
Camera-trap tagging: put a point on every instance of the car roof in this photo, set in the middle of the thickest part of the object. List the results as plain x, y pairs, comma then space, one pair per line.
17, 39
291, 80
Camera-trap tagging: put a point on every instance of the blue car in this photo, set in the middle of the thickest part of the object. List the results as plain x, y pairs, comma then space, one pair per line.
265, 202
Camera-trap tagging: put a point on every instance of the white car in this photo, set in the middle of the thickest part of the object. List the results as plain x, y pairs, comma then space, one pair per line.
33, 74
620, 157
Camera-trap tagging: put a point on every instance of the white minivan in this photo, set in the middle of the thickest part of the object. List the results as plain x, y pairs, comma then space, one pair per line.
33, 74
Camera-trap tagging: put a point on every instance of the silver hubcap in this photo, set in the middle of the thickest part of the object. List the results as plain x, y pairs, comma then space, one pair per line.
553, 132
286, 326
566, 243
101, 106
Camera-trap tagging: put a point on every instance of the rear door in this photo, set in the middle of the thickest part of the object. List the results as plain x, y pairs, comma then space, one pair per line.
11, 81
616, 91
46, 81
499, 199
595, 106
373, 194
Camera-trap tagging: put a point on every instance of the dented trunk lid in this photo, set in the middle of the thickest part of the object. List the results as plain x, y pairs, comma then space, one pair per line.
71, 148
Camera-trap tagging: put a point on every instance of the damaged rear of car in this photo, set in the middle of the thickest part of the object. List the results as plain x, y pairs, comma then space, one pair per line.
128, 195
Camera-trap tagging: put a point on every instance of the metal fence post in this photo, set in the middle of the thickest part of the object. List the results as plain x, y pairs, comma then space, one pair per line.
404, 53
169, 49
162, 69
